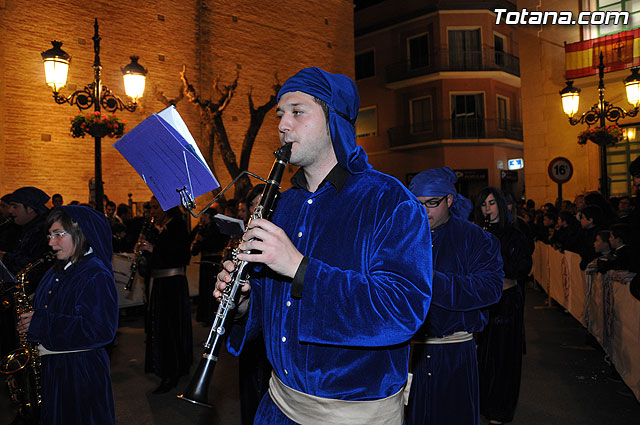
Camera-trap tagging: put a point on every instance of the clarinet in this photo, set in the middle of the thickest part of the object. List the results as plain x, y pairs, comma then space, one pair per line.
486, 222
137, 252
197, 389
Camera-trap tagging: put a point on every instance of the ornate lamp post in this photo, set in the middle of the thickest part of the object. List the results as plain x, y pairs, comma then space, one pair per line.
56, 65
601, 112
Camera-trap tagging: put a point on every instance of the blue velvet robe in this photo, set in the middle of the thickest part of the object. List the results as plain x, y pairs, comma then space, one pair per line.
366, 291
468, 277
75, 310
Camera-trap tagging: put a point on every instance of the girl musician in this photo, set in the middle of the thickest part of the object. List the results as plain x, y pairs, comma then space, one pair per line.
75, 315
500, 344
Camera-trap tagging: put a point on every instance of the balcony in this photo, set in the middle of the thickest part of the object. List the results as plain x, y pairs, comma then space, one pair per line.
467, 128
487, 59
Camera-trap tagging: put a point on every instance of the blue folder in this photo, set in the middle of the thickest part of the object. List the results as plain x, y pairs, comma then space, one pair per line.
162, 150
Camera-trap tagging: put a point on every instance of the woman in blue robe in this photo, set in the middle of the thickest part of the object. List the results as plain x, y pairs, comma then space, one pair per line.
75, 315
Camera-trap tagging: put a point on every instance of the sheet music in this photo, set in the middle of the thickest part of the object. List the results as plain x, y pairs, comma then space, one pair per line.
167, 158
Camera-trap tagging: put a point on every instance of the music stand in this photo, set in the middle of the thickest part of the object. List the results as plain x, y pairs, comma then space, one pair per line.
6, 277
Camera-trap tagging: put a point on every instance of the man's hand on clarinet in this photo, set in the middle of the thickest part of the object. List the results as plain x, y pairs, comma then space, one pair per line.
224, 278
276, 250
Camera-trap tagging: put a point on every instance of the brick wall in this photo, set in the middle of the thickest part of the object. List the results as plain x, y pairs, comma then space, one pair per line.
255, 38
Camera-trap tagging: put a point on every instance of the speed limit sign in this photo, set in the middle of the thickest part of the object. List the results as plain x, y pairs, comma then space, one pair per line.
560, 170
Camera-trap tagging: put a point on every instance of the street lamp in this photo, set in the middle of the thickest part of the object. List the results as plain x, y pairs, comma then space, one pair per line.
56, 66
601, 112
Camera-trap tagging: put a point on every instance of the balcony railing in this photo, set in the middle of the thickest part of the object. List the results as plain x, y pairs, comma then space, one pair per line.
487, 59
466, 128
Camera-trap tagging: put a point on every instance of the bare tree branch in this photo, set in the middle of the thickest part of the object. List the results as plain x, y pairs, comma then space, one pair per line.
164, 99
211, 114
256, 119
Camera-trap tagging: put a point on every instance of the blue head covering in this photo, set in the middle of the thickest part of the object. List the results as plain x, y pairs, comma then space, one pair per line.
440, 182
31, 197
96, 230
340, 94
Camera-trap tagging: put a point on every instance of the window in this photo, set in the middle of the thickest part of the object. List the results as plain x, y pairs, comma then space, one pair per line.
467, 116
631, 6
365, 65
465, 53
502, 113
418, 51
499, 47
619, 157
421, 114
367, 124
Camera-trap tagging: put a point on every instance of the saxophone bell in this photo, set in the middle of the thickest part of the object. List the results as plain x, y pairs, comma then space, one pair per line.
22, 366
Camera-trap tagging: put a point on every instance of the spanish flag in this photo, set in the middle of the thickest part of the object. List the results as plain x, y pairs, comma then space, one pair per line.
620, 51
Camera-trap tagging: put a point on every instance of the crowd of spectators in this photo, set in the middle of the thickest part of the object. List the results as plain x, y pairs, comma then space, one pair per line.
604, 232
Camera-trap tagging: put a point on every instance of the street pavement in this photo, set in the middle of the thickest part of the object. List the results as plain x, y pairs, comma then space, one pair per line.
566, 379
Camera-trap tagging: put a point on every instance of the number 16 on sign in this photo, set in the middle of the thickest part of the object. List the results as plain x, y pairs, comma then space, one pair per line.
560, 170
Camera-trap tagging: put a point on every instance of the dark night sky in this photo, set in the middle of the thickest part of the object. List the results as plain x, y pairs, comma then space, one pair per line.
361, 4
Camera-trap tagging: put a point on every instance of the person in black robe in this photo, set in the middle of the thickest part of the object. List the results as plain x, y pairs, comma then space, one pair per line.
169, 346
500, 344
9, 230
209, 243
28, 214
28, 210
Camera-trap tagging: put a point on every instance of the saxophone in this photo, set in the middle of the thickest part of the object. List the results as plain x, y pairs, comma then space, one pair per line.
197, 389
22, 366
137, 252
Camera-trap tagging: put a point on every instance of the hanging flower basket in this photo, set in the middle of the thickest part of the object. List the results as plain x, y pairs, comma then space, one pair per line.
602, 136
96, 124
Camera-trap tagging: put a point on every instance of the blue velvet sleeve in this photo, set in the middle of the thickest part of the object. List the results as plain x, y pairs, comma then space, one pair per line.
480, 285
91, 322
388, 301
248, 328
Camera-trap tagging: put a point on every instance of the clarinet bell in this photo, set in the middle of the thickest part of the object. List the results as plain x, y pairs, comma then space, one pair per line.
197, 391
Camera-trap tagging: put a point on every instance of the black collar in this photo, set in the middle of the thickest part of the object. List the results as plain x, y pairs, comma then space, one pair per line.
337, 177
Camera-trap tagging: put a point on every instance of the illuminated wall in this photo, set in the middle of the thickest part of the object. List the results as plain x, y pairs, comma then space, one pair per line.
257, 39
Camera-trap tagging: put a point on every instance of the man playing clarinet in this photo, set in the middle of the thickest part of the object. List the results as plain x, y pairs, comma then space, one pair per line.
348, 271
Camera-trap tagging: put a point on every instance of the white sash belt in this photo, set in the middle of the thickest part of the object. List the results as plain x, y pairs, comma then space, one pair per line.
160, 273
44, 352
509, 283
454, 338
307, 409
